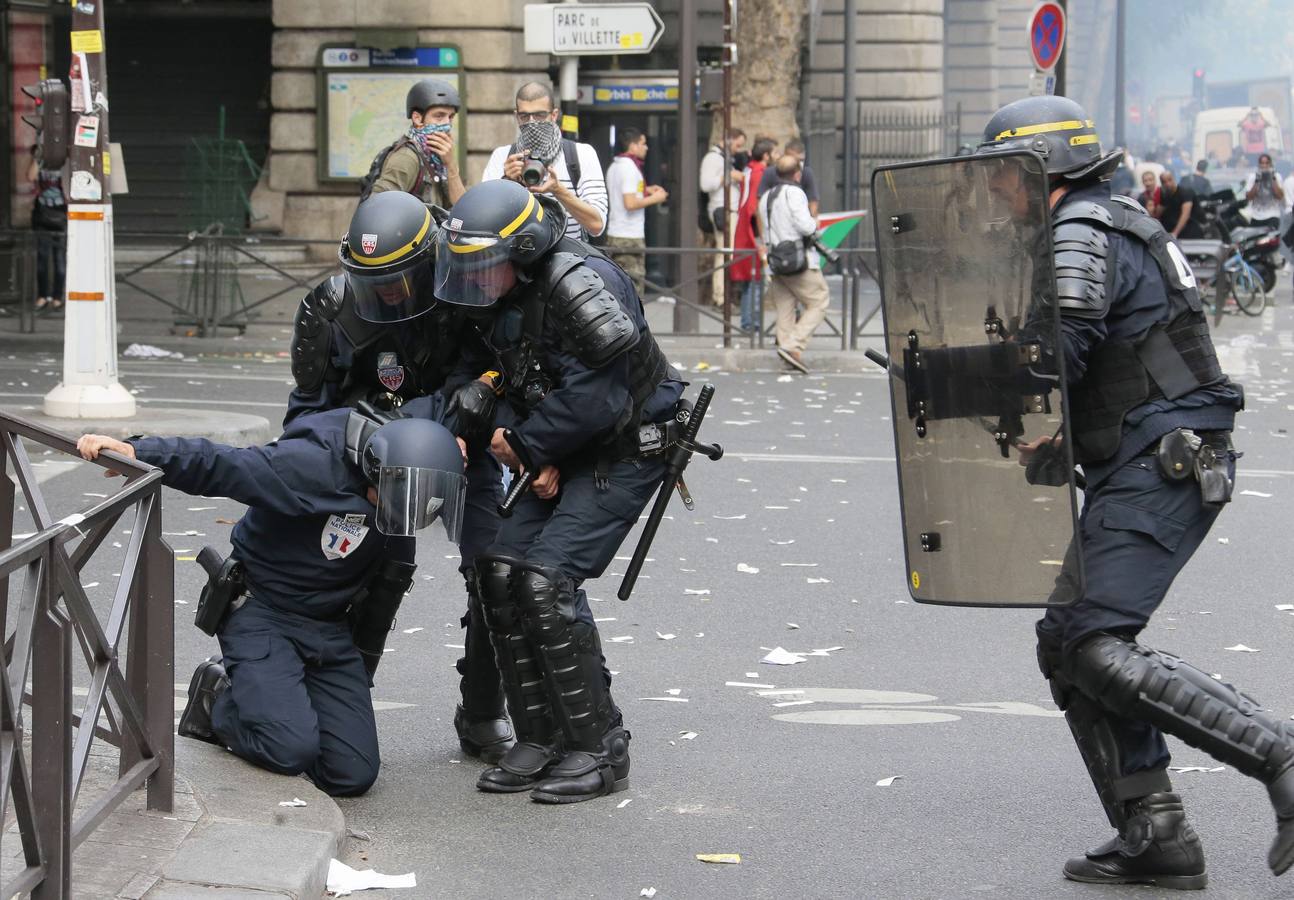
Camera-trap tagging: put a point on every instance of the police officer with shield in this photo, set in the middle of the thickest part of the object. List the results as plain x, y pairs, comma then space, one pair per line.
324, 549
375, 334
1148, 418
588, 395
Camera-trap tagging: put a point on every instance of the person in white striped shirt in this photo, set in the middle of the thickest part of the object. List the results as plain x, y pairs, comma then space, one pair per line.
574, 170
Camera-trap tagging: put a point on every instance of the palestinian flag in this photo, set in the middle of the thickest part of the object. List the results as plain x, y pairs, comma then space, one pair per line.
835, 227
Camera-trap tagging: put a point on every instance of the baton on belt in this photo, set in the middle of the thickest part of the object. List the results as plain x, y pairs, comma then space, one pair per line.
676, 460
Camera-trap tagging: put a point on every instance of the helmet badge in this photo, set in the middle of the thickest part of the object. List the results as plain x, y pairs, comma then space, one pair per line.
368, 243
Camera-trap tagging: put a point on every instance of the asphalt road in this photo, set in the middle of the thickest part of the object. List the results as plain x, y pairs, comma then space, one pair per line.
990, 796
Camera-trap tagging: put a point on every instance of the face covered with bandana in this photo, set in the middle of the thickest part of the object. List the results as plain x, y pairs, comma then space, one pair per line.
433, 121
541, 140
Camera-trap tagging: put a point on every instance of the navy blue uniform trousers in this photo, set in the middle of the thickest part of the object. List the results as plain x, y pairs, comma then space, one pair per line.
580, 530
298, 698
1138, 530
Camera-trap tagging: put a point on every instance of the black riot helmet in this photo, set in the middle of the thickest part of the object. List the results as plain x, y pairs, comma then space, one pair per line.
416, 466
430, 92
1058, 130
387, 256
496, 225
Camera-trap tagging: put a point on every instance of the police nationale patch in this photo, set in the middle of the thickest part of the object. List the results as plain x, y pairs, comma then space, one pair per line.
368, 243
391, 377
340, 537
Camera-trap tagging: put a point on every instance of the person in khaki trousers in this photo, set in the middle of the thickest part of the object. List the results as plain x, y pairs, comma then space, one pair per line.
784, 216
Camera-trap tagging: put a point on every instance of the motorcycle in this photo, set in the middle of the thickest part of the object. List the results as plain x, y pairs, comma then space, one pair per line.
1258, 246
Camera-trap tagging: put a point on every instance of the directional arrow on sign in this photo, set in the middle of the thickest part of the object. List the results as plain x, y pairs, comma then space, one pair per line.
590, 29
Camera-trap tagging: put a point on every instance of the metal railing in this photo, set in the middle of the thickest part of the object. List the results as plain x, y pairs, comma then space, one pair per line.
133, 711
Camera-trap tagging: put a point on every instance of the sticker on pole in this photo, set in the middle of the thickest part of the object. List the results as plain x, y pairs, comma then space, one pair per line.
1046, 35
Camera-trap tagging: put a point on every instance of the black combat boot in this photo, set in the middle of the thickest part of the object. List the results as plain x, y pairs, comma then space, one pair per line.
582, 775
1281, 792
209, 681
481, 723
1156, 846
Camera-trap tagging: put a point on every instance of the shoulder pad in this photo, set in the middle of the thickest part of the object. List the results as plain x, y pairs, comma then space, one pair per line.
590, 318
312, 333
1083, 210
1083, 263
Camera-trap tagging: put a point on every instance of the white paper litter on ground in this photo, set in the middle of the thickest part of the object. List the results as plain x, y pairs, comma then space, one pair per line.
666, 637
664, 699
747, 569
729, 518
687, 735
647, 892
1224, 540
342, 879
748, 684
295, 801
799, 565
413, 630
623, 803
1284, 607
1241, 648
622, 639
673, 692
200, 508
781, 543
818, 580
822, 651
148, 351
792, 626
696, 592
793, 703
1182, 770
1255, 494
779, 656
886, 782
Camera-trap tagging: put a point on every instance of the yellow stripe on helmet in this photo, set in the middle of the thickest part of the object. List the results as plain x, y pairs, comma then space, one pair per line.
1045, 127
519, 220
1079, 140
395, 254
472, 248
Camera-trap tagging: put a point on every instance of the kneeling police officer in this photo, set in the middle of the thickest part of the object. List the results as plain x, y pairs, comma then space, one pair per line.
325, 547
584, 379
375, 334
1150, 418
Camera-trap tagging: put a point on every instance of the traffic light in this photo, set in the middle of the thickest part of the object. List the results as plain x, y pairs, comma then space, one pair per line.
1197, 86
52, 121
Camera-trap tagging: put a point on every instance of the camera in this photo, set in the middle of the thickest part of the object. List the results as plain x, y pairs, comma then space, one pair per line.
826, 252
534, 172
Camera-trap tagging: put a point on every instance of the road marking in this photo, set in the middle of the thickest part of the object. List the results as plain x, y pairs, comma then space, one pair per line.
861, 460
899, 708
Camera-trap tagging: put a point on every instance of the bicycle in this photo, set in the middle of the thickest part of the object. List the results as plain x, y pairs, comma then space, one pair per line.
1244, 284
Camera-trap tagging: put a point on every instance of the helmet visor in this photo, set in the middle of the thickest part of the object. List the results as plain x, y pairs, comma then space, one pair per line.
389, 296
472, 269
410, 499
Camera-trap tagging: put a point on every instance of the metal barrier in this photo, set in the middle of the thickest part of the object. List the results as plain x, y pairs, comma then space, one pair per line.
133, 711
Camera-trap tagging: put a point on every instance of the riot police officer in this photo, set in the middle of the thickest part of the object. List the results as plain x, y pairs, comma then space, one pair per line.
582, 373
328, 537
375, 334
1150, 419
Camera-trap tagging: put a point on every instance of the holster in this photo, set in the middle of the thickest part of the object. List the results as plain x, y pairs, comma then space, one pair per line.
225, 584
373, 615
1184, 454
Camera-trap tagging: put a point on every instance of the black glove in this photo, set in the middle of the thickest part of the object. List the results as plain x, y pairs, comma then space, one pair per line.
473, 405
1047, 466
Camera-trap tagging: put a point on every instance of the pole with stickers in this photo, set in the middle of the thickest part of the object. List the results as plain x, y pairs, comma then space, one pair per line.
89, 388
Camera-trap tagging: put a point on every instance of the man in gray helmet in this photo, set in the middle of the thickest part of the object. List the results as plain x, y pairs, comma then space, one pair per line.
1149, 420
422, 161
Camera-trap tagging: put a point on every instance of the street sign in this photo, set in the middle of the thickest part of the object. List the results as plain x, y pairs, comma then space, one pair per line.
588, 29
1041, 83
1046, 35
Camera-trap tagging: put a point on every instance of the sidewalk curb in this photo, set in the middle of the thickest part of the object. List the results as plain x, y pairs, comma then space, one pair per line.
245, 841
235, 429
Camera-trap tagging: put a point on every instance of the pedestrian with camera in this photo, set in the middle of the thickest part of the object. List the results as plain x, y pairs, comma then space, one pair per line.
547, 163
1265, 194
790, 233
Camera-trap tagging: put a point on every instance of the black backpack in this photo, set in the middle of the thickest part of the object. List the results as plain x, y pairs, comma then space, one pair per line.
375, 170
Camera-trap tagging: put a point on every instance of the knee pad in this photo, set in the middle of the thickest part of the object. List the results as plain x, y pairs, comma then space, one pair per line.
497, 606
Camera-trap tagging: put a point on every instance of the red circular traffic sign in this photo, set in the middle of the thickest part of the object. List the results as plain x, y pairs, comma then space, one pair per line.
1046, 35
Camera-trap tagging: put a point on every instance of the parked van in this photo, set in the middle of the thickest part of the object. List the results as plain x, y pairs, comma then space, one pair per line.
1217, 132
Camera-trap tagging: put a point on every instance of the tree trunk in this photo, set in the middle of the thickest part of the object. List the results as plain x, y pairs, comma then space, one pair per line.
766, 80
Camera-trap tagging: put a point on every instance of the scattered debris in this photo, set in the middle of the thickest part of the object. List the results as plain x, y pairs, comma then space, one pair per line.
779, 656
886, 782
295, 801
1241, 648
726, 859
747, 569
343, 880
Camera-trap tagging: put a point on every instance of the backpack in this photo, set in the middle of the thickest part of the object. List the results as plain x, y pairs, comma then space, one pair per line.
375, 170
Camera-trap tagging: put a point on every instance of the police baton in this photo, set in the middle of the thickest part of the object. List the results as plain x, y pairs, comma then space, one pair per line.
519, 486
676, 460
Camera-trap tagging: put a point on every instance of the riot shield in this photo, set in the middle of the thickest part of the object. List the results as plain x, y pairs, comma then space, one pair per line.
968, 296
